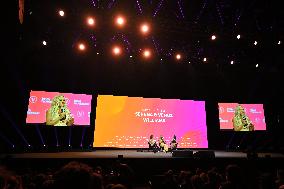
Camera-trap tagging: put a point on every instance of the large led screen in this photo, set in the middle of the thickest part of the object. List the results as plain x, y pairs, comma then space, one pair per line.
128, 122
241, 117
59, 109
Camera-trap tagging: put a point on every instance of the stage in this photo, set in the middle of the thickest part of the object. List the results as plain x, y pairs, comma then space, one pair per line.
137, 154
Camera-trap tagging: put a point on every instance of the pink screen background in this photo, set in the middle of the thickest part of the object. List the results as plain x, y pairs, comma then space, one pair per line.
40, 101
119, 125
255, 112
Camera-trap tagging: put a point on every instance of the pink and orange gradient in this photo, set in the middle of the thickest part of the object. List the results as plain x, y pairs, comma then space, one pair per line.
127, 122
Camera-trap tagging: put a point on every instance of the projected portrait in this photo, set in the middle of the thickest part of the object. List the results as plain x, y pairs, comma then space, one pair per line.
241, 121
58, 114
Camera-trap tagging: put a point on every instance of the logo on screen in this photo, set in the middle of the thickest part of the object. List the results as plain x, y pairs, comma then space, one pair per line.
257, 120
33, 99
230, 110
221, 109
45, 100
67, 101
80, 113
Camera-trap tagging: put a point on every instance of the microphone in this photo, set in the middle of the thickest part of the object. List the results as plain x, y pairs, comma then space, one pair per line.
62, 111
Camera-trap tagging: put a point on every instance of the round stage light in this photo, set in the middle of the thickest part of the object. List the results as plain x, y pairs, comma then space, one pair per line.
232, 62
279, 42
44, 43
144, 28
178, 56
204, 59
81, 47
255, 43
116, 50
120, 21
238, 36
146, 53
61, 13
256, 65
90, 21
213, 37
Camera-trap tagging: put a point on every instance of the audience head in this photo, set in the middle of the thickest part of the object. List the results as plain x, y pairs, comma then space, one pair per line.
74, 175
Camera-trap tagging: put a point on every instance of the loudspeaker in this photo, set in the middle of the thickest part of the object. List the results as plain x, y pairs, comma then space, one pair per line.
182, 153
205, 154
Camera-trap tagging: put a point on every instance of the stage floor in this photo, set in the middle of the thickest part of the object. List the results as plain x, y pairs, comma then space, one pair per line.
130, 154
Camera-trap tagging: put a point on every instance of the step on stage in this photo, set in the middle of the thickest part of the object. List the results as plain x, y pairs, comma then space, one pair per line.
144, 154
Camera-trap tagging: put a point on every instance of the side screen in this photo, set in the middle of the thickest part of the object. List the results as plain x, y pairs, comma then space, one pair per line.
76, 107
241, 117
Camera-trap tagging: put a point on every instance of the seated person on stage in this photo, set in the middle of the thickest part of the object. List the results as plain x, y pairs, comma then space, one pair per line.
173, 144
241, 121
163, 146
152, 144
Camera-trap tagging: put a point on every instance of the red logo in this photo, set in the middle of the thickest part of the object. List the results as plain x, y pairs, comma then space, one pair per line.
33, 99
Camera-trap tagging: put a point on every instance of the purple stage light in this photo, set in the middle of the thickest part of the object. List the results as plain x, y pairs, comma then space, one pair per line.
6, 140
155, 45
14, 125
94, 3
70, 136
83, 135
219, 13
201, 11
40, 136
139, 7
180, 8
158, 8
56, 137
126, 41
111, 4
94, 40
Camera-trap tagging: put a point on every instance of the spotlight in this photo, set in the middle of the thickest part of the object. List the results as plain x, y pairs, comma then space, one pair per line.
81, 47
44, 43
61, 13
29, 145
238, 36
120, 21
144, 28
256, 65
232, 62
69, 145
44, 145
116, 50
279, 42
255, 43
98, 53
189, 62
161, 59
178, 56
130, 56
146, 53
204, 59
213, 37
90, 21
